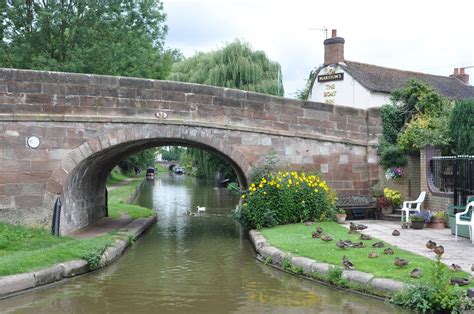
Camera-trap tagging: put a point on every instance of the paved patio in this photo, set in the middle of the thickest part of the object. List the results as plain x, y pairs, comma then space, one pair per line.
461, 252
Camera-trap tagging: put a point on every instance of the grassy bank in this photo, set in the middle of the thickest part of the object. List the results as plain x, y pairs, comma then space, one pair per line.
297, 239
27, 249
120, 195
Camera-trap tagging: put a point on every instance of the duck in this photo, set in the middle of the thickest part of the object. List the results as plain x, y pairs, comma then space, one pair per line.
309, 223
341, 244
459, 281
373, 254
400, 262
347, 263
201, 209
319, 229
326, 238
431, 245
358, 245
405, 225
353, 226
353, 231
396, 233
316, 235
439, 250
455, 267
378, 244
361, 227
388, 251
416, 273
365, 237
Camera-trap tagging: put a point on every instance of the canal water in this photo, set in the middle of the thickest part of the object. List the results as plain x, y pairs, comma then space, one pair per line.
191, 264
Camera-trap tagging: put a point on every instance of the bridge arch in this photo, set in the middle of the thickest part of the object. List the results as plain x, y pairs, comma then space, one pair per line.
83, 173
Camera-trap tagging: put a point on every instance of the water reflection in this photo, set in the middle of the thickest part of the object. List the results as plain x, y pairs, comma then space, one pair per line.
190, 264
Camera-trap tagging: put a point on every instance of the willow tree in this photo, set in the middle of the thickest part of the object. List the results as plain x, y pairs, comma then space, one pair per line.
236, 65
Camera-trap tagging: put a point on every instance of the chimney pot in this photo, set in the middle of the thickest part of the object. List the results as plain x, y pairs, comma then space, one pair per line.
334, 33
461, 75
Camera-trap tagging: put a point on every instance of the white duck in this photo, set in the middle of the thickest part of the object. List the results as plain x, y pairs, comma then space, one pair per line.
201, 209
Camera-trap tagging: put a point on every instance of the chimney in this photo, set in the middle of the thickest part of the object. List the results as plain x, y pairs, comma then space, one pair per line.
333, 49
461, 75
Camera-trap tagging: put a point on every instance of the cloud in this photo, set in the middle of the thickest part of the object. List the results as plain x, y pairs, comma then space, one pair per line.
403, 34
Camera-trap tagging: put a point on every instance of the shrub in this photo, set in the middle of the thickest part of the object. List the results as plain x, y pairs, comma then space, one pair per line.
393, 195
391, 156
437, 296
461, 127
286, 197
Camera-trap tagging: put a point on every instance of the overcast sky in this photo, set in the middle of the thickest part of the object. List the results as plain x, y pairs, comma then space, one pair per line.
425, 36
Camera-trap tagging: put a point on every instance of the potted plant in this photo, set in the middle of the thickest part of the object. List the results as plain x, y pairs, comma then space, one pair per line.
419, 220
340, 215
437, 220
391, 199
385, 205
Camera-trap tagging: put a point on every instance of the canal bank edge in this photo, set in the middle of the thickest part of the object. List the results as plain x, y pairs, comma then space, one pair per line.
357, 281
20, 283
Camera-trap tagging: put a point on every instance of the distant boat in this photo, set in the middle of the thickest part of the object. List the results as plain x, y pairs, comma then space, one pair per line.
178, 170
150, 173
223, 183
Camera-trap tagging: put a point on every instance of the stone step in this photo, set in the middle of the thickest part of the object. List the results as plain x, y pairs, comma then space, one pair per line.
392, 217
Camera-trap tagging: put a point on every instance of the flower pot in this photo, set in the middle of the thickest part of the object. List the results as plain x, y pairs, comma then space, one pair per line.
436, 223
341, 218
417, 224
387, 210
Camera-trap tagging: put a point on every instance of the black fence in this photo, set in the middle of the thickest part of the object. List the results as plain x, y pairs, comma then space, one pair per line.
454, 174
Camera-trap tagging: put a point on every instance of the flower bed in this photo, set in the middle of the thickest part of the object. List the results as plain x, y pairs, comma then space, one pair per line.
286, 197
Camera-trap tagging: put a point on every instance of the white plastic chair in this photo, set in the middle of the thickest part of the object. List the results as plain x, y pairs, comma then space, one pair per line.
469, 223
408, 206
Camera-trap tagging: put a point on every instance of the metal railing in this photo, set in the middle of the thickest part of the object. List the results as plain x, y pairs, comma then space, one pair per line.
454, 174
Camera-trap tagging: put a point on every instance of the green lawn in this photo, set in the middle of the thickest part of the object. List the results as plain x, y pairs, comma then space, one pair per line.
116, 176
118, 201
26, 249
296, 238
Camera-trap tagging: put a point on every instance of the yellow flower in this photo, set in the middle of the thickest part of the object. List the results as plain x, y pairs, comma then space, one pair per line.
278, 186
316, 191
264, 193
250, 193
289, 181
243, 196
245, 204
260, 185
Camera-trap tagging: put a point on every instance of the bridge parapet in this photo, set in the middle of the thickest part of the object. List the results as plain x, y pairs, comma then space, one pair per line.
38, 95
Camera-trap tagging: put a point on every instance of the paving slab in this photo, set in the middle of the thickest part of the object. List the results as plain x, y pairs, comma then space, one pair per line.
103, 226
461, 252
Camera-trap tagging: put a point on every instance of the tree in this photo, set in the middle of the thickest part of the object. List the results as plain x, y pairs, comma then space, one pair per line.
102, 37
461, 127
141, 159
234, 66
417, 116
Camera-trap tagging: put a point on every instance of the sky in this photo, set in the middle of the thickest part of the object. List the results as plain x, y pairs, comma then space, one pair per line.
424, 36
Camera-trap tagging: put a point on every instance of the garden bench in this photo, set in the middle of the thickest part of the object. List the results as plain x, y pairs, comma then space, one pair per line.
360, 206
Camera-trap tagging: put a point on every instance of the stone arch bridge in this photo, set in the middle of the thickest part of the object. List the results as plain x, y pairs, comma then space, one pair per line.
87, 123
